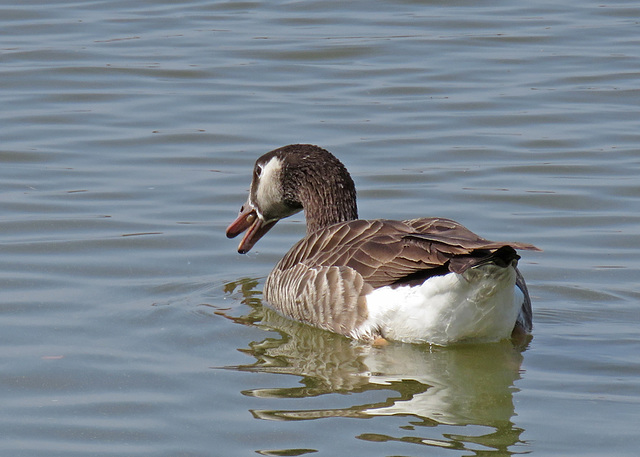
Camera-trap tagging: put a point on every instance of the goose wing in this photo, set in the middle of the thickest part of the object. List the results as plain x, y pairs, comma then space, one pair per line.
386, 252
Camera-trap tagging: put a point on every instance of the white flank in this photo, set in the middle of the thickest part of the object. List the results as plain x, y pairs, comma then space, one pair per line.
480, 305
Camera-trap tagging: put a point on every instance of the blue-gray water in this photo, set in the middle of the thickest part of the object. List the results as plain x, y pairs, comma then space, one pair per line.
130, 326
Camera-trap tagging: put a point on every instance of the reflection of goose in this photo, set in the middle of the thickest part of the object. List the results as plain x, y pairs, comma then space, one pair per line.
468, 384
459, 385
422, 280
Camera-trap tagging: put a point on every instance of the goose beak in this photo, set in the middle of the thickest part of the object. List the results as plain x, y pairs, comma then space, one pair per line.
252, 222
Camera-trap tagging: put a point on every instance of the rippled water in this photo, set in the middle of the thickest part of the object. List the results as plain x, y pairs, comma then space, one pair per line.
129, 325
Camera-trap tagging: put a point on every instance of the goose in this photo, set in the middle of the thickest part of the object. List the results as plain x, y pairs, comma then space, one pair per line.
424, 280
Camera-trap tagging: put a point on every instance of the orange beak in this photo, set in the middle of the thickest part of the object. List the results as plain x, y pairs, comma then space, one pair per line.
248, 220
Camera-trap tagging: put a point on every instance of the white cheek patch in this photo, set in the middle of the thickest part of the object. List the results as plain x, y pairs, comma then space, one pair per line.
268, 195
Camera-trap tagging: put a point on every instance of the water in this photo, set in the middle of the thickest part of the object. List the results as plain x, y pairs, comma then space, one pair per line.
129, 325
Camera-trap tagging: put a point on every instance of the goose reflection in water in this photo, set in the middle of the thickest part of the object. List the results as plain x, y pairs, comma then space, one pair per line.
439, 386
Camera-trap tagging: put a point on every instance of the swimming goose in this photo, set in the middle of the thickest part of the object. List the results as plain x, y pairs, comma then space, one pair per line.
426, 280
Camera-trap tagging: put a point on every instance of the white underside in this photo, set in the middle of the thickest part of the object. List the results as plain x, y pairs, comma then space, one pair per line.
480, 305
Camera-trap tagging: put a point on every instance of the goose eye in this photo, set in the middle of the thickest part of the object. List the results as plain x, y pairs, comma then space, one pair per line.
258, 170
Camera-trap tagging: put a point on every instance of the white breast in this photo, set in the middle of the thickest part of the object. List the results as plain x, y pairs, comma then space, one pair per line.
480, 305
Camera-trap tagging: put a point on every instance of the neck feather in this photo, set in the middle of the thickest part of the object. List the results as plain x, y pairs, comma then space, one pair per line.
328, 199
328, 212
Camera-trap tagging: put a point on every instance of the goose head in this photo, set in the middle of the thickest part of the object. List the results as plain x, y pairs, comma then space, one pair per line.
288, 180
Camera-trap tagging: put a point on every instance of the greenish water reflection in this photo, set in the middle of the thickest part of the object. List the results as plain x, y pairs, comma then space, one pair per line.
467, 385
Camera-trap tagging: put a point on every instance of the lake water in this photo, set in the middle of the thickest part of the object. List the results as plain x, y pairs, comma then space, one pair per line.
130, 326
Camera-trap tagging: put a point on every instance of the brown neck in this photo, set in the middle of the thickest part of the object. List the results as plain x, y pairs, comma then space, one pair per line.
327, 213
328, 200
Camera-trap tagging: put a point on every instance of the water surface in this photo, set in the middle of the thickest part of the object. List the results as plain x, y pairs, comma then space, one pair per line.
130, 326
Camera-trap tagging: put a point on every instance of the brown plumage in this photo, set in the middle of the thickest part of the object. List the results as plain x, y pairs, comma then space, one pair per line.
325, 278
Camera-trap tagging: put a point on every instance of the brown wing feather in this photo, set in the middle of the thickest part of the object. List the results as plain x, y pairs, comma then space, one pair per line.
383, 251
324, 277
